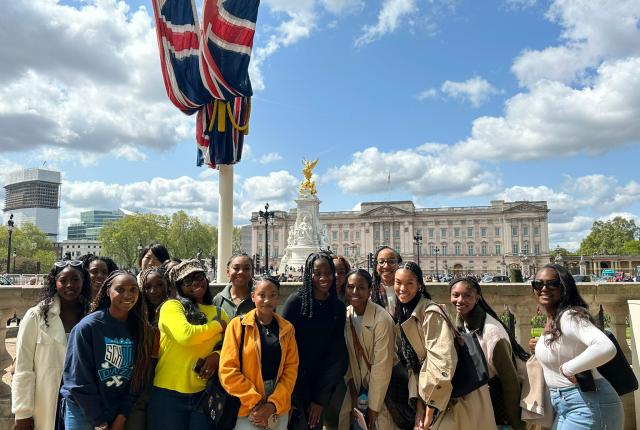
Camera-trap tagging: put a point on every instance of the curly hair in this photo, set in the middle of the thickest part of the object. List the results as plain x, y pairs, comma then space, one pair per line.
87, 259
265, 278
570, 300
142, 283
403, 312
140, 329
472, 282
306, 290
376, 297
49, 291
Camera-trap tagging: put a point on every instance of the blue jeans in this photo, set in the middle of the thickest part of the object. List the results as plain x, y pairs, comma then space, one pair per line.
170, 410
595, 410
74, 417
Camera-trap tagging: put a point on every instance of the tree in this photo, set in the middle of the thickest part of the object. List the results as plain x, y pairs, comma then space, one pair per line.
631, 247
187, 235
609, 237
32, 246
237, 241
559, 250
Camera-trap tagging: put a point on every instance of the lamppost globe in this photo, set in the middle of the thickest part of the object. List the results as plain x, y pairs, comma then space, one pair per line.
266, 215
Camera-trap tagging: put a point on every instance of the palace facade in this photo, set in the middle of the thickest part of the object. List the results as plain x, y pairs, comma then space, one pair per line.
477, 239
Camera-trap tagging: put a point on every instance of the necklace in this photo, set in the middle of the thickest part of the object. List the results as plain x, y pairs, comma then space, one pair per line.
265, 327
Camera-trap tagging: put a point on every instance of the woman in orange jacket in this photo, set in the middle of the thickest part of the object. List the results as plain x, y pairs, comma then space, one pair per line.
269, 369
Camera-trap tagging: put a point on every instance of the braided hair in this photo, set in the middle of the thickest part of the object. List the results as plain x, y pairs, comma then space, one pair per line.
376, 297
140, 329
306, 290
142, 283
472, 282
570, 300
49, 291
403, 312
265, 278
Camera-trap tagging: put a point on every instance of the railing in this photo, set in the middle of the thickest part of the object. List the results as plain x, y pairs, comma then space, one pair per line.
518, 298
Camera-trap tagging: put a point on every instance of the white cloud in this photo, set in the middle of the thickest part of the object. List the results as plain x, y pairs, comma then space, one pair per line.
475, 90
277, 188
592, 32
424, 171
429, 93
554, 119
270, 158
85, 78
520, 4
389, 18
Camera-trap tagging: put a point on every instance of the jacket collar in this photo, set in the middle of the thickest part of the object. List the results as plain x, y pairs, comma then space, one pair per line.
368, 319
249, 319
55, 306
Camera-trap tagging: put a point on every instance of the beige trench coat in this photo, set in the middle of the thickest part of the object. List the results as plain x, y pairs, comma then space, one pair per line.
377, 338
432, 339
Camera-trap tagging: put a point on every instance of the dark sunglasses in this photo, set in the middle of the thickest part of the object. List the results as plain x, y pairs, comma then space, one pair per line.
196, 277
64, 263
552, 284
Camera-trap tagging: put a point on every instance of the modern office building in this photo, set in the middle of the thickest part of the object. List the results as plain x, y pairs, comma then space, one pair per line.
33, 196
478, 239
90, 224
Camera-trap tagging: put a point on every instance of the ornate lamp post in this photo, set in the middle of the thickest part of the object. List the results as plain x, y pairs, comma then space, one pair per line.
10, 230
436, 250
14, 260
266, 215
417, 240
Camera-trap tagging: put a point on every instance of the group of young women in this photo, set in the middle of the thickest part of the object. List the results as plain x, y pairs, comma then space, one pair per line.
105, 349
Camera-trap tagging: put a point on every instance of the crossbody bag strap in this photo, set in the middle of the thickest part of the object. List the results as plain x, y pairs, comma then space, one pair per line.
356, 344
445, 316
218, 317
241, 344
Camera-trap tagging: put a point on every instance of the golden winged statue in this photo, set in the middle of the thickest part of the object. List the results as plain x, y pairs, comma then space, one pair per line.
307, 171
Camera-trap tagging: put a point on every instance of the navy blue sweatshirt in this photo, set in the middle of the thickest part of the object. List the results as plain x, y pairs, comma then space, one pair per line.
98, 367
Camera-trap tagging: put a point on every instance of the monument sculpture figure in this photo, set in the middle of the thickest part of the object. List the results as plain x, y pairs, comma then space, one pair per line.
307, 235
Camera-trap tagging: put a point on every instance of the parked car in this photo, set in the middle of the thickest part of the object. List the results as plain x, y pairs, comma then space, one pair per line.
495, 279
5, 281
582, 278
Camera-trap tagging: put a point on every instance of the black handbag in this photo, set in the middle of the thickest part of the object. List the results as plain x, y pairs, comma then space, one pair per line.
617, 371
221, 406
471, 371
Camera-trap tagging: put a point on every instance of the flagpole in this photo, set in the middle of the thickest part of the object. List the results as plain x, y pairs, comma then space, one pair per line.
225, 220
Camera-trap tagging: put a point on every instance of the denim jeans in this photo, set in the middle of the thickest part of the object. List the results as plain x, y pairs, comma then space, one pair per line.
170, 410
74, 417
594, 410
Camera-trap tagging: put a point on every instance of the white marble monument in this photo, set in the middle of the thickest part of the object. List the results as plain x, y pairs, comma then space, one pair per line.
307, 235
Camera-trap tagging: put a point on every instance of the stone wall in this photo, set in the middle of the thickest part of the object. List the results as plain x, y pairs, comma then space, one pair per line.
517, 297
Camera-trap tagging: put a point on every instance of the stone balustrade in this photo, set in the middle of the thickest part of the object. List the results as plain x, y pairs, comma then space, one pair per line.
517, 297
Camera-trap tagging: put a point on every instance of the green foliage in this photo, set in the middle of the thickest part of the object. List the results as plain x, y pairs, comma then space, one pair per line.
631, 247
31, 246
516, 275
181, 234
611, 237
559, 250
236, 245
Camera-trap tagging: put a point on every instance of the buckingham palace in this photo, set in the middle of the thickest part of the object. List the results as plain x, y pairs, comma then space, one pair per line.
478, 239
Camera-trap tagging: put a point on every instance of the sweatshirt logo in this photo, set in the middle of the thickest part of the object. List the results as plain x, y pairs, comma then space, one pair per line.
118, 362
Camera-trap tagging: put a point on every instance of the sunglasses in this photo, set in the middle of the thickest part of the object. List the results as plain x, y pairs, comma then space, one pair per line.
552, 284
196, 277
64, 263
388, 261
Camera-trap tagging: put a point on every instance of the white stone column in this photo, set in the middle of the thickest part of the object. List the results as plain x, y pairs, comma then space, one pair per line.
225, 218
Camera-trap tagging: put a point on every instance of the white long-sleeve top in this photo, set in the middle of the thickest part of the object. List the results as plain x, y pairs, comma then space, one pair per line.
582, 346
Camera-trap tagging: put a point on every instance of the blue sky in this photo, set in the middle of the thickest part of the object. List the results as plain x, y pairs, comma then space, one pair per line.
462, 102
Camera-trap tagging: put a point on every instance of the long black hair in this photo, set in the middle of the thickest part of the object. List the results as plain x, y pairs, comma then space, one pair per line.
191, 311
472, 282
403, 312
570, 300
87, 259
376, 297
140, 328
142, 283
306, 290
160, 251
49, 290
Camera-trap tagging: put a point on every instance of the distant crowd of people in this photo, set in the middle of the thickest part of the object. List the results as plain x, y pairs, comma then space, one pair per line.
107, 349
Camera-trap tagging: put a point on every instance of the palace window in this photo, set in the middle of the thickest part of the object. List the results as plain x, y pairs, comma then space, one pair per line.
470, 249
498, 249
483, 231
469, 231
514, 249
456, 232
443, 233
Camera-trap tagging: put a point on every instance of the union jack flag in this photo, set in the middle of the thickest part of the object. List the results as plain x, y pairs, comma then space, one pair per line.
206, 70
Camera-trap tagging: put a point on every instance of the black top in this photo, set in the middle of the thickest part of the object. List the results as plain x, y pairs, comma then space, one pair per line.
321, 347
271, 353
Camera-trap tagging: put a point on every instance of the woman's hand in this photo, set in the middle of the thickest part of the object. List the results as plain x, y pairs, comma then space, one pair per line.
372, 416
210, 366
532, 344
572, 379
314, 412
260, 415
420, 418
24, 424
118, 423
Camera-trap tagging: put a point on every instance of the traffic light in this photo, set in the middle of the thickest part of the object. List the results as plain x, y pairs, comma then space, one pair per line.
370, 261
257, 263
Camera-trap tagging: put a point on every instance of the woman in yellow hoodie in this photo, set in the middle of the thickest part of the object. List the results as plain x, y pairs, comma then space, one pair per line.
269, 361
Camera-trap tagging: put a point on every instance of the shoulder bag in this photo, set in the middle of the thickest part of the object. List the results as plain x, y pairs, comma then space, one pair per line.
617, 371
222, 407
471, 371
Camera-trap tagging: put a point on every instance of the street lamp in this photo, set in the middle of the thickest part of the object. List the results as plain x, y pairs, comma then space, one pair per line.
503, 264
417, 240
10, 230
14, 260
266, 215
436, 250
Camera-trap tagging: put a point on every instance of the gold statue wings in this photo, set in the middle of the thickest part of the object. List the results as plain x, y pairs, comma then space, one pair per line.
307, 171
